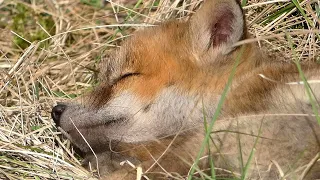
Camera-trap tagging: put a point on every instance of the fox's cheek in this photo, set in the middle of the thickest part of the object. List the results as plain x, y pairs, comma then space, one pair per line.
175, 108
171, 111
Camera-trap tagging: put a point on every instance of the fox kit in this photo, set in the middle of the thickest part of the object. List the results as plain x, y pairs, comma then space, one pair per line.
161, 89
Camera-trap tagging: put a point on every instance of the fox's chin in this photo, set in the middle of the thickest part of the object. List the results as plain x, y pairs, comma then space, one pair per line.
96, 137
64, 133
82, 147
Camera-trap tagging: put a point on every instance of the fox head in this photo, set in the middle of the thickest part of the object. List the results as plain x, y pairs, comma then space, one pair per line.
161, 80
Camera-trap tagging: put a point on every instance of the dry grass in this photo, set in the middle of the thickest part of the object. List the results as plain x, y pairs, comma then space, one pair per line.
49, 50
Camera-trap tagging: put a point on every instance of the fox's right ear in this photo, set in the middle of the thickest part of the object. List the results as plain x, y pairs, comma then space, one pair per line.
214, 28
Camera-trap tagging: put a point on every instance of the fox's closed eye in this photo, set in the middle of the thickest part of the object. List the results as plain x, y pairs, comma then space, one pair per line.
126, 75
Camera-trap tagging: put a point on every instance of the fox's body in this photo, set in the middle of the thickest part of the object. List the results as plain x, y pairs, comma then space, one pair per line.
158, 90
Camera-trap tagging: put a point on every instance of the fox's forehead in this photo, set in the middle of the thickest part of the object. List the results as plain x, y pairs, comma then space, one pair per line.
147, 48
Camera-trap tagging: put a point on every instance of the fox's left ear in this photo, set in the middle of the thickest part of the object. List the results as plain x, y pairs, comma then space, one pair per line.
215, 27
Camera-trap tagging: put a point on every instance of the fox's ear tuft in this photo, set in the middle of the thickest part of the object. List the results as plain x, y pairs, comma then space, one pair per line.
216, 26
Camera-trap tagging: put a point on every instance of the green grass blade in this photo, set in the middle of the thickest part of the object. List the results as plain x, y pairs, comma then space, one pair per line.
129, 15
212, 170
296, 3
240, 149
311, 96
318, 10
135, 7
278, 13
217, 112
244, 3
253, 150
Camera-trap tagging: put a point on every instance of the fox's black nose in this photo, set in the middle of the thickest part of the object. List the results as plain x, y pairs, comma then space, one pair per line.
56, 113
